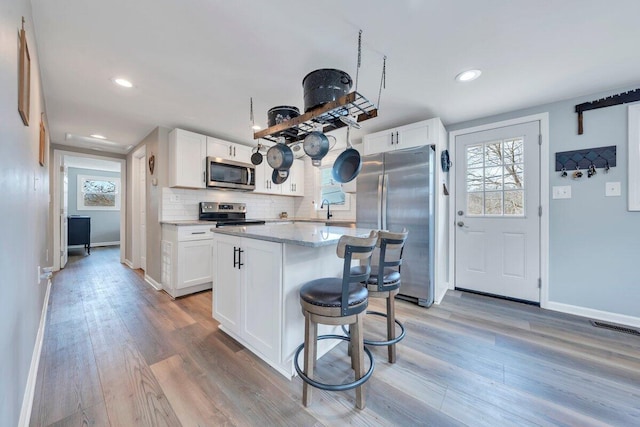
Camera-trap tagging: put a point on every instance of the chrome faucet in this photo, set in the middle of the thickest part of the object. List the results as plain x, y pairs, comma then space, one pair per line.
329, 214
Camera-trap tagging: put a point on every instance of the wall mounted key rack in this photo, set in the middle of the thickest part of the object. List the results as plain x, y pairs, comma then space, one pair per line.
600, 157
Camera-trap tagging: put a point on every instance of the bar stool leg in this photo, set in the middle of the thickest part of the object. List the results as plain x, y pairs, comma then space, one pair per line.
357, 356
310, 352
391, 327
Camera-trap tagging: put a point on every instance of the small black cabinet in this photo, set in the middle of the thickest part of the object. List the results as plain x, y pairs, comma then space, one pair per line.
79, 231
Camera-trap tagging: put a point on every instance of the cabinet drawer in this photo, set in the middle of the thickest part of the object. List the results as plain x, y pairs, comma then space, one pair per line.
195, 232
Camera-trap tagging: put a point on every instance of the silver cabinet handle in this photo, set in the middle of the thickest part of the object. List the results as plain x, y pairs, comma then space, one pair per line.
397, 138
198, 232
234, 151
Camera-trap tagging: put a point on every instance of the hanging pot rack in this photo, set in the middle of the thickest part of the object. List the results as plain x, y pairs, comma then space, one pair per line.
327, 116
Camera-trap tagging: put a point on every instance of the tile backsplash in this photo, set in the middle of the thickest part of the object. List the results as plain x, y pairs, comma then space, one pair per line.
180, 204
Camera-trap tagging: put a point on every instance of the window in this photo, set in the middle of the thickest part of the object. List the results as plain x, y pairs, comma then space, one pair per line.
495, 178
98, 193
331, 190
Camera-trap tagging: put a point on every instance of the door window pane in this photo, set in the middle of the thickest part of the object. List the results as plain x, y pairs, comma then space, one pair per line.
475, 203
493, 154
493, 203
475, 179
514, 203
474, 156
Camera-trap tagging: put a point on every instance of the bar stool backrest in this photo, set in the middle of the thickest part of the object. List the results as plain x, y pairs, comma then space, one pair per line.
351, 248
390, 247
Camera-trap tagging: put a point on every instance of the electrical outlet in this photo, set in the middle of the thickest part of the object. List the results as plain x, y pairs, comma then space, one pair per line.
612, 189
174, 198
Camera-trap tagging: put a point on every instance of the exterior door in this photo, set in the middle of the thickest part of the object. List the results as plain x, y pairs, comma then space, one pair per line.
64, 213
497, 211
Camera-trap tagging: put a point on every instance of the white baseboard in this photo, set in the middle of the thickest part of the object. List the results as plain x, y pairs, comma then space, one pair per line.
29, 392
591, 313
128, 263
439, 296
157, 286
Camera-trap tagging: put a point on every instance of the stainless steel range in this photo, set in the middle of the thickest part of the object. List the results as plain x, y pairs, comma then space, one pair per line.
226, 214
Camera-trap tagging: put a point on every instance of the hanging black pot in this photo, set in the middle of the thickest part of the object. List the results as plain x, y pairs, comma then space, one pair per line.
324, 85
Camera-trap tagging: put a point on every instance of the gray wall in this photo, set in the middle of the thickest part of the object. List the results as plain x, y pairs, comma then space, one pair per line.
594, 241
24, 229
105, 225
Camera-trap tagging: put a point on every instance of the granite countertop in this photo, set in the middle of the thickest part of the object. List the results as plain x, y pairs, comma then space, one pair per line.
302, 234
337, 222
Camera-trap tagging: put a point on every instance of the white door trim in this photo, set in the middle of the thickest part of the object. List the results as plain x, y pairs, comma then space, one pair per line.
136, 244
543, 118
55, 177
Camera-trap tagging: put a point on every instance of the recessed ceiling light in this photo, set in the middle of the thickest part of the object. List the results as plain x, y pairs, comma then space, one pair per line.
122, 82
256, 127
469, 75
95, 135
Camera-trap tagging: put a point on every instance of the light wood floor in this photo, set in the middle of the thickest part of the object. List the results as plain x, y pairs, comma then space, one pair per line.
119, 353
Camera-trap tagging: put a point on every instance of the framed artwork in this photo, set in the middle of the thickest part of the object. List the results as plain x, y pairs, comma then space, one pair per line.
24, 78
43, 141
98, 193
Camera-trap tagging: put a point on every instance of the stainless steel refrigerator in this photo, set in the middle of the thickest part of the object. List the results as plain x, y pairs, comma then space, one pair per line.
395, 190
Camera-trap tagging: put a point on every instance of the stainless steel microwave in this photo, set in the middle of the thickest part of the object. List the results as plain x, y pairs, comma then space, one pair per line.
229, 174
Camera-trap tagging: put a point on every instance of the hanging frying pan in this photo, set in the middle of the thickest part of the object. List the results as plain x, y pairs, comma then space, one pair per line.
256, 157
348, 164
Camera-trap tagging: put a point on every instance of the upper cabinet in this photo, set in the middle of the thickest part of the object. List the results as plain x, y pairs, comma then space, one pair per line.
228, 150
413, 135
187, 156
294, 185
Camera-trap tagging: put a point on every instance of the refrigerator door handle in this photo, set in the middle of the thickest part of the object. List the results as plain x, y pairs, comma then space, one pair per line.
385, 188
379, 213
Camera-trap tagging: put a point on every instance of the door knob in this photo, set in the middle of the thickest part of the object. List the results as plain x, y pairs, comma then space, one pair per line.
460, 224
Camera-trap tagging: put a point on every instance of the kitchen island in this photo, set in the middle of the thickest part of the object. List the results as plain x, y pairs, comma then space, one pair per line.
257, 274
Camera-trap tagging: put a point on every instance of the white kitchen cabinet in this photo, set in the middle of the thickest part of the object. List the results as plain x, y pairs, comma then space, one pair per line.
294, 185
247, 296
186, 258
228, 150
187, 155
412, 135
264, 184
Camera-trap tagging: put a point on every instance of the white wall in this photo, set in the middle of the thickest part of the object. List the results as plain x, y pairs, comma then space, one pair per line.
24, 229
593, 240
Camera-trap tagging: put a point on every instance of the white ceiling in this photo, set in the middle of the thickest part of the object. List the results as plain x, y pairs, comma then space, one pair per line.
91, 163
195, 64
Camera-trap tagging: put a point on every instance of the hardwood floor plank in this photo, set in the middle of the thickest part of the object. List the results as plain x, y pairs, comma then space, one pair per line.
131, 392
191, 404
92, 416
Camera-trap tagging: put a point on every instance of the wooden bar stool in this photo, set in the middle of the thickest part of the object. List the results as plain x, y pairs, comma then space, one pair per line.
338, 301
389, 249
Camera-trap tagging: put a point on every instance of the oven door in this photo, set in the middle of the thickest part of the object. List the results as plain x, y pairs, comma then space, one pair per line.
228, 174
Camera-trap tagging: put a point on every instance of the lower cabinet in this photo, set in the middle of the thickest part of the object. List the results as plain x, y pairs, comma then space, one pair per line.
187, 263
247, 292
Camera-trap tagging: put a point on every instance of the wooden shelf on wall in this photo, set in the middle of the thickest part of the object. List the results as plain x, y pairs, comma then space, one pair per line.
327, 116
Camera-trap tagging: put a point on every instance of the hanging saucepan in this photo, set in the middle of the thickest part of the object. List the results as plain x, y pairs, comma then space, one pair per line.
256, 157
279, 176
316, 146
324, 85
280, 156
348, 164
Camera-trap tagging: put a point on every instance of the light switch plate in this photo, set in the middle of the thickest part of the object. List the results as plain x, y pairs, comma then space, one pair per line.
612, 189
561, 191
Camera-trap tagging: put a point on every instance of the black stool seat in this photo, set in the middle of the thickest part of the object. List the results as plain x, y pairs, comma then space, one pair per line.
327, 292
391, 277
